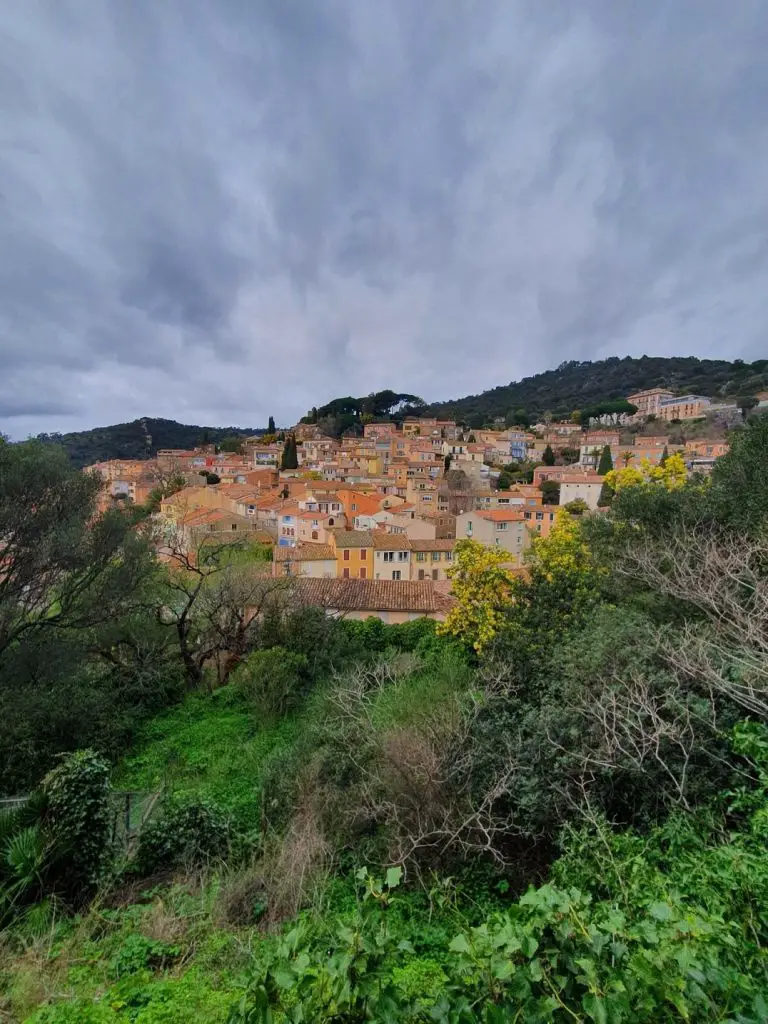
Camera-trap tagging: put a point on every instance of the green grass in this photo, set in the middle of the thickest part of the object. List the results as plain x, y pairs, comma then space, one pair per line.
210, 746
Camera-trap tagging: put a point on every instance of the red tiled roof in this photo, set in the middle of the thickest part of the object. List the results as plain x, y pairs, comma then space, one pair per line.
307, 552
373, 595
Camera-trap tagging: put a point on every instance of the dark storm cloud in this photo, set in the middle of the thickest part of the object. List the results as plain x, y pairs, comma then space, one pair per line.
222, 211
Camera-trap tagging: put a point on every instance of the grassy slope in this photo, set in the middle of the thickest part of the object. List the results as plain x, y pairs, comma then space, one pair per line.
209, 746
169, 957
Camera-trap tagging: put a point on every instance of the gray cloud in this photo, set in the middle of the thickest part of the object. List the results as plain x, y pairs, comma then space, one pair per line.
223, 211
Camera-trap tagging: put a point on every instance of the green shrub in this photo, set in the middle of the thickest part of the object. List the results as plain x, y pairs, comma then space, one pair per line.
273, 681
78, 819
188, 833
138, 953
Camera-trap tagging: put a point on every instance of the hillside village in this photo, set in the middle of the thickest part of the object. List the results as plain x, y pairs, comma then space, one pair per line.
368, 525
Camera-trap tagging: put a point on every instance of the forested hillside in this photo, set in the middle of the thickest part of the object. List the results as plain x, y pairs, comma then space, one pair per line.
571, 386
139, 439
574, 385
551, 807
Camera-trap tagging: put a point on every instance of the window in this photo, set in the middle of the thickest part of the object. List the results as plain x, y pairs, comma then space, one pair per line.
354, 507
435, 574
449, 556
363, 553
346, 554
234, 526
396, 575
402, 556
426, 497
421, 556
539, 516
345, 574
314, 535
389, 556
469, 526
501, 526
527, 515
363, 572
435, 556
421, 574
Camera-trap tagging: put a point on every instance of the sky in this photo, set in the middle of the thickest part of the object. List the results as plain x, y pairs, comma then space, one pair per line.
221, 210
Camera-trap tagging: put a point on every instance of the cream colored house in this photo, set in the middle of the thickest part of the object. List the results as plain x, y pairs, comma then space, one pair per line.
500, 528
315, 561
584, 486
431, 559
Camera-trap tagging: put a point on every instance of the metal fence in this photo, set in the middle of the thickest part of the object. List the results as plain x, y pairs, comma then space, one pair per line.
130, 811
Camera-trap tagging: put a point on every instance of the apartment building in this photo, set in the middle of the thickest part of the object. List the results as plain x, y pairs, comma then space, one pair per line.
391, 556
649, 401
684, 407
431, 559
501, 529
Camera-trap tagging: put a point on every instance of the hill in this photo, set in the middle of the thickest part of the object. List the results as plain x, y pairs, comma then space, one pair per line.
139, 439
574, 385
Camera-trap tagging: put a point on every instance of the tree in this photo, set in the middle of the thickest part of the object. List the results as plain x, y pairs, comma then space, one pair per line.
739, 491
62, 568
671, 475
233, 444
271, 424
290, 459
606, 461
664, 456
570, 455
550, 492
746, 403
548, 458
482, 588
504, 481
82, 658
577, 507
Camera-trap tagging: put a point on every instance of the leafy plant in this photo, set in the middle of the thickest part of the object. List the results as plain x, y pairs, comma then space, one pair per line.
188, 832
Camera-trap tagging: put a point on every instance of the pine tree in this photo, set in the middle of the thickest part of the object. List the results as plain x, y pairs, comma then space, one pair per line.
548, 458
606, 461
271, 425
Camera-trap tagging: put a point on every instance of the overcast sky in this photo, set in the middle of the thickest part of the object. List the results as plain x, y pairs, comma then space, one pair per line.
218, 210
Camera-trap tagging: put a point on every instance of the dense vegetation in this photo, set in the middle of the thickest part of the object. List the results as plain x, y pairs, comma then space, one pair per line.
579, 385
348, 415
552, 807
140, 439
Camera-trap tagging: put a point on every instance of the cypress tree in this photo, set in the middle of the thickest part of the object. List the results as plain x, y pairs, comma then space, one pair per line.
664, 456
606, 461
290, 459
271, 425
548, 458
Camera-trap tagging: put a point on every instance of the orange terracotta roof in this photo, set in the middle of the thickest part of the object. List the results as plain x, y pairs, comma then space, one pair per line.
353, 539
433, 545
383, 541
373, 595
305, 553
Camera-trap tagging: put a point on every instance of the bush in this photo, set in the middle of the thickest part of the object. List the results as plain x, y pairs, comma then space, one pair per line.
78, 819
273, 681
187, 834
